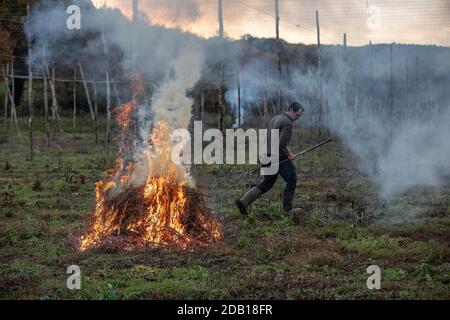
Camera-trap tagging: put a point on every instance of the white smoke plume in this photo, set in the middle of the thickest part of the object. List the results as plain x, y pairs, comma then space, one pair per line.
400, 149
171, 102
418, 156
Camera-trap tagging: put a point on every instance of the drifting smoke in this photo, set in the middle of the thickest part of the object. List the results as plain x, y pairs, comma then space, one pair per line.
402, 141
171, 103
399, 130
169, 60
419, 155
179, 11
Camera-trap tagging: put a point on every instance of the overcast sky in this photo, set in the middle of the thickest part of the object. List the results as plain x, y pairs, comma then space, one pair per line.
381, 21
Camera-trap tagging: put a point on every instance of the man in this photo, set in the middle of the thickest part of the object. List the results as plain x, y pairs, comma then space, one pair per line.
283, 123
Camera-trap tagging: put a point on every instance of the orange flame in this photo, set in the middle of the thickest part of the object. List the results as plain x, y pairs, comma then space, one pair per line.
159, 212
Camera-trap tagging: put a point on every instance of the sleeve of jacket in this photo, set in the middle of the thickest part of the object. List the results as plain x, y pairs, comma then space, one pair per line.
285, 135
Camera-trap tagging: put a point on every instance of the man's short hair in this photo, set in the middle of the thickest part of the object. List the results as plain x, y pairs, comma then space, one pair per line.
295, 106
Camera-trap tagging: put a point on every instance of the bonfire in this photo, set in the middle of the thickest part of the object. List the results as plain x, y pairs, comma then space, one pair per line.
149, 201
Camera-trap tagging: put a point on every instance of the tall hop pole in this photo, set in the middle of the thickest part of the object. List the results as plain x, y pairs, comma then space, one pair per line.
277, 32
30, 92
222, 107
134, 40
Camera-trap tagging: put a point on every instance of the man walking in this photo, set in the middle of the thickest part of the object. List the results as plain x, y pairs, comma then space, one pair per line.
283, 123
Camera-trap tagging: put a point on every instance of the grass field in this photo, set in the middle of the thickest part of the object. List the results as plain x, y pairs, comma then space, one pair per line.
320, 253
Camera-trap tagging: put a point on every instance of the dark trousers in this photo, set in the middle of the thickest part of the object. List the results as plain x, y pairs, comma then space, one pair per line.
287, 171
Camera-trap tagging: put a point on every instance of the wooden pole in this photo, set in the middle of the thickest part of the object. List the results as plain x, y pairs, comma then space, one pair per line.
108, 110
13, 105
289, 83
221, 125
280, 72
6, 100
417, 88
203, 105
94, 85
116, 93
50, 82
135, 10
345, 82
88, 97
372, 107
319, 63
221, 97
221, 26
74, 99
30, 92
46, 117
407, 85
108, 93
277, 20
238, 99
134, 39
391, 95
55, 105
266, 97
86, 89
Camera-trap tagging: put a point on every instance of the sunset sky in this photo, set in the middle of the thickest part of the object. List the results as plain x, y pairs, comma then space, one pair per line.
381, 21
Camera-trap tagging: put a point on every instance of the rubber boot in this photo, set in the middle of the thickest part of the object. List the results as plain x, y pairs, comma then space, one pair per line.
288, 198
250, 197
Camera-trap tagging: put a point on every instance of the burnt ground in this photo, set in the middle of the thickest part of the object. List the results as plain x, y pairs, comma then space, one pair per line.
321, 252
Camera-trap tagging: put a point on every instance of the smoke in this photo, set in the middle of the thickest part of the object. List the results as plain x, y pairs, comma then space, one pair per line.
169, 60
418, 155
397, 125
171, 103
180, 11
398, 129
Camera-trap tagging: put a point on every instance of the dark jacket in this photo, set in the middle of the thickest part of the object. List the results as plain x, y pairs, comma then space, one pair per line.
283, 123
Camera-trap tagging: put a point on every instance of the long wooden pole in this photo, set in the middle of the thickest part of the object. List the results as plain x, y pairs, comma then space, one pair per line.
280, 72
221, 97
319, 62
407, 111
74, 99
108, 110
345, 82
13, 105
108, 94
86, 89
238, 98
203, 105
10, 98
6, 100
391, 94
266, 97
372, 107
46, 118
30, 92
221, 27
116, 93
277, 19
95, 113
55, 105
134, 39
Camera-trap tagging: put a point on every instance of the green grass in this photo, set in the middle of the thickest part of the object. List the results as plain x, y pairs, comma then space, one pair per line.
45, 205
